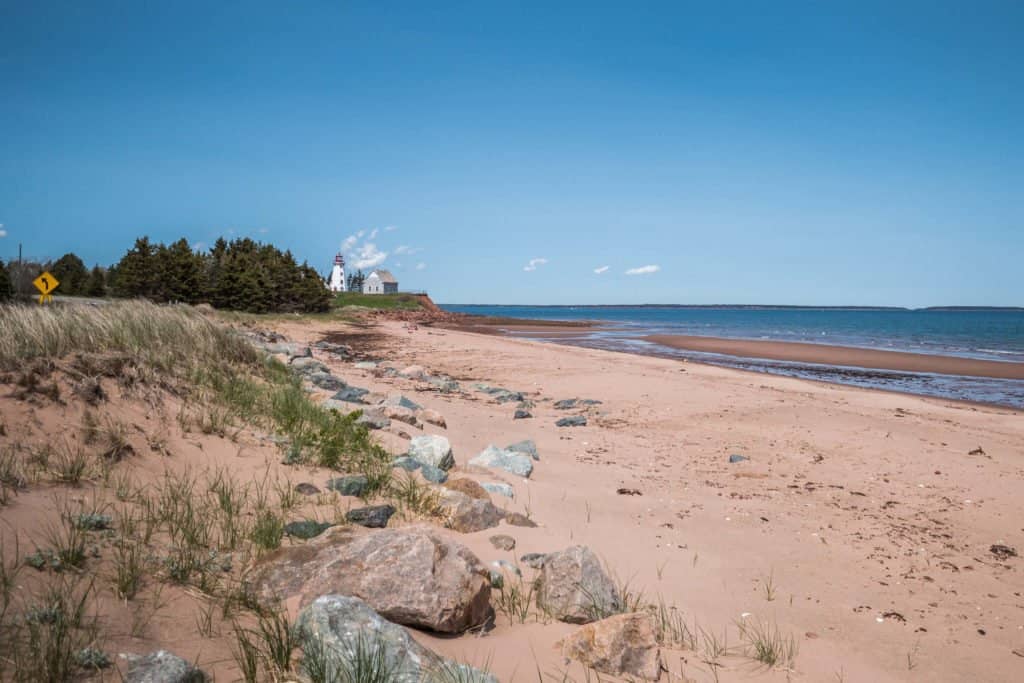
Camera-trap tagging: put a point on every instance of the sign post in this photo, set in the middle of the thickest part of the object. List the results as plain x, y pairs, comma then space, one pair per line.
45, 283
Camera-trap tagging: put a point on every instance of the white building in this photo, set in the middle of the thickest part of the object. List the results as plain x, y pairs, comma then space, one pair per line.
337, 281
380, 282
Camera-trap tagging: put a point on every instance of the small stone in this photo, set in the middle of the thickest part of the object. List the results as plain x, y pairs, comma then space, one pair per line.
469, 487
734, 458
533, 560
162, 667
350, 485
572, 421
500, 489
372, 516
519, 519
413, 372
306, 489
434, 475
366, 365
503, 542
306, 528
402, 402
521, 414
432, 450
510, 461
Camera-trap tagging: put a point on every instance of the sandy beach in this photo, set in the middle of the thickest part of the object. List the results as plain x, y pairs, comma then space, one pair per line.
861, 522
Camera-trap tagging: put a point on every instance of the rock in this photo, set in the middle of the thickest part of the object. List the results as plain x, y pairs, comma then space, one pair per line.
373, 420
446, 385
432, 450
340, 350
372, 516
516, 463
574, 587
307, 366
413, 372
298, 351
519, 519
468, 515
526, 447
507, 566
533, 560
521, 414
326, 380
500, 489
401, 414
411, 576
330, 621
366, 365
622, 645
572, 421
435, 475
162, 667
306, 528
406, 463
350, 485
469, 487
499, 394
402, 402
432, 417
570, 403
503, 542
306, 489
497, 579
734, 458
351, 395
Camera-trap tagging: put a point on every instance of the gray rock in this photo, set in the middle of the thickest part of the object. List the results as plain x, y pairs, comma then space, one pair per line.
499, 394
162, 667
413, 372
503, 542
336, 627
411, 576
574, 587
432, 417
526, 446
572, 421
516, 463
400, 414
446, 385
406, 463
306, 489
468, 515
350, 485
306, 529
307, 366
327, 381
433, 474
734, 458
374, 420
372, 516
340, 350
521, 414
500, 489
570, 403
533, 560
401, 401
366, 365
351, 395
432, 450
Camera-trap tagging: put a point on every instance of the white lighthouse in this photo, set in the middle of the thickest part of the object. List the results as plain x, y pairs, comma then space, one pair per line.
337, 283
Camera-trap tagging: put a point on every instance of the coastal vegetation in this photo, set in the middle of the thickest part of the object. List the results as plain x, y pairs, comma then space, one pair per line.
400, 302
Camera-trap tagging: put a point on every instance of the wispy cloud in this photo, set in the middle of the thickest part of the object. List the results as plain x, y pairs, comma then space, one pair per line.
389, 228
263, 231
643, 270
421, 266
373, 234
3, 233
350, 242
601, 270
406, 249
534, 262
369, 256
199, 246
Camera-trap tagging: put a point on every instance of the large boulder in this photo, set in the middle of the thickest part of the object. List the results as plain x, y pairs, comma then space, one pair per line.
162, 667
410, 576
622, 645
432, 450
335, 629
516, 463
326, 381
402, 414
467, 515
574, 587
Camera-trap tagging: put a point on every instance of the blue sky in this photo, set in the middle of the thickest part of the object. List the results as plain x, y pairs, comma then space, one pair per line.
749, 152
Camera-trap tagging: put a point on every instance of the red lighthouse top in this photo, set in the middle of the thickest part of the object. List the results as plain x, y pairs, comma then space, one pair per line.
339, 260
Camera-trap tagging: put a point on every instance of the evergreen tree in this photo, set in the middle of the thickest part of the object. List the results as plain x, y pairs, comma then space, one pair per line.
96, 286
6, 287
181, 273
71, 273
137, 272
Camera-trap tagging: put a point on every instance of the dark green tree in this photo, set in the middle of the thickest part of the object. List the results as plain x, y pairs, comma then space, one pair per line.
97, 283
6, 287
181, 273
71, 273
137, 273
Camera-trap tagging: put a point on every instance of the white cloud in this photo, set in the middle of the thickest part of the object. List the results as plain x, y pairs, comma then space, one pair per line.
369, 256
534, 262
350, 242
421, 266
389, 228
406, 249
602, 269
263, 231
373, 234
643, 270
3, 233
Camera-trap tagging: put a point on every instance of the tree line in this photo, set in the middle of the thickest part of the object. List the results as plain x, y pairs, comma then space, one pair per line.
241, 275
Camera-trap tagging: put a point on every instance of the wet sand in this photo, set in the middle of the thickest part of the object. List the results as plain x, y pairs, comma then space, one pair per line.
843, 356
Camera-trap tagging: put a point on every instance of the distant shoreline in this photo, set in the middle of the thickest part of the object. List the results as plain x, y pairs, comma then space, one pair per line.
748, 307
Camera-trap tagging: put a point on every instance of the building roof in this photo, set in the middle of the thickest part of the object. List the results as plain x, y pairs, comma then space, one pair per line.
384, 276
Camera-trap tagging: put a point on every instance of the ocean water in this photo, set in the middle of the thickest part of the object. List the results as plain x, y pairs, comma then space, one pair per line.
986, 334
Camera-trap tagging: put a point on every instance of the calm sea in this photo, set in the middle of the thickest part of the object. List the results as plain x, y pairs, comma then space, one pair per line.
988, 334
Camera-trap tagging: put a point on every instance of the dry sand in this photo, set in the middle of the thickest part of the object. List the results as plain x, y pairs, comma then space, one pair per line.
861, 514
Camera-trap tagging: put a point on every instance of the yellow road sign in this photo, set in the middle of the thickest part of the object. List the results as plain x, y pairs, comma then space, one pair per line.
46, 283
